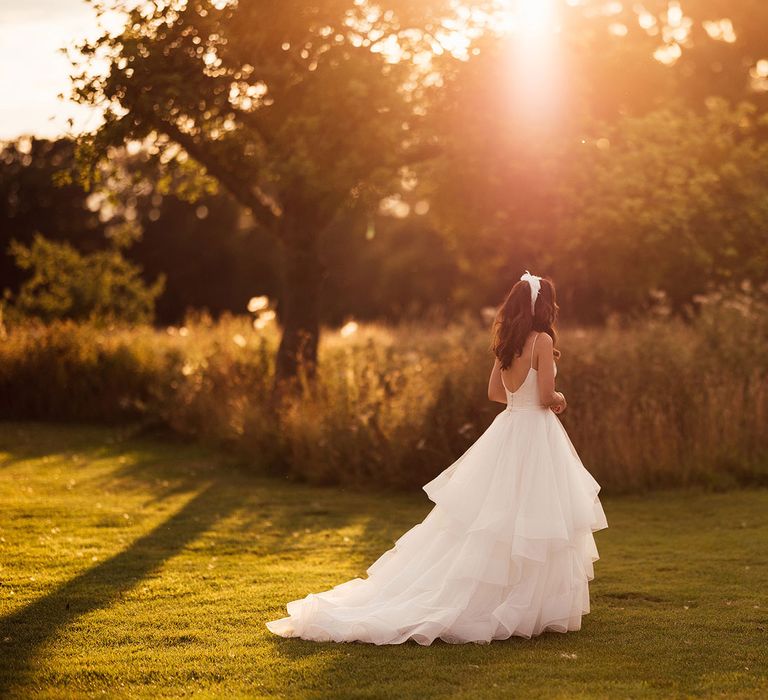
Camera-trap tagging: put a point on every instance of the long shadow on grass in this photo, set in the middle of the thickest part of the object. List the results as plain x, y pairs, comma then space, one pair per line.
25, 631
22, 441
165, 469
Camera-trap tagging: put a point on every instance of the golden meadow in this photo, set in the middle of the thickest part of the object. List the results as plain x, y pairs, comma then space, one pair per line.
652, 403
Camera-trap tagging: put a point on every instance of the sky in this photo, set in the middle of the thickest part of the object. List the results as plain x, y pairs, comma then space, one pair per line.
33, 71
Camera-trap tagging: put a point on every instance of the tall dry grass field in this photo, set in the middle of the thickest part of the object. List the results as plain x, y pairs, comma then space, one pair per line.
652, 403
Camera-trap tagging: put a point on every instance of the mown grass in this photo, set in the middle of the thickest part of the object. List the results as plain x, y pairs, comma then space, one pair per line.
144, 567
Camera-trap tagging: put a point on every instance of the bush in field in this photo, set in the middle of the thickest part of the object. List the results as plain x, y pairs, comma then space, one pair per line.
664, 403
71, 371
654, 403
67, 284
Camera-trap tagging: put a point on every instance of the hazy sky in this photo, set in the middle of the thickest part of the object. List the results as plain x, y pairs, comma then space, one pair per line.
33, 72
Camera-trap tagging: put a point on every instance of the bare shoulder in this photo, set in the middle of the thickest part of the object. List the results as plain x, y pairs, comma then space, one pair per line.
545, 341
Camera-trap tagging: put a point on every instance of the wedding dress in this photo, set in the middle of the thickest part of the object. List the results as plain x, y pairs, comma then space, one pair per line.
506, 550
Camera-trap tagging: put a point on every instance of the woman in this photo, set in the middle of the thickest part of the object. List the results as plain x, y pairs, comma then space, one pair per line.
508, 547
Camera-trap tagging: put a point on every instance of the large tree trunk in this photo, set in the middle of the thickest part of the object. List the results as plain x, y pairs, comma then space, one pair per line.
299, 307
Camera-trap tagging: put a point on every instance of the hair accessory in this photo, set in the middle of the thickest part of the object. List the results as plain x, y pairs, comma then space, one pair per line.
535, 284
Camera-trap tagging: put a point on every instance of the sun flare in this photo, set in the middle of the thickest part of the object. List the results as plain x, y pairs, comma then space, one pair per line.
525, 18
533, 17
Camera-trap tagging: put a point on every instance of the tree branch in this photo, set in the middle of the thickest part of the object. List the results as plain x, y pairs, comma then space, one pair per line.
264, 209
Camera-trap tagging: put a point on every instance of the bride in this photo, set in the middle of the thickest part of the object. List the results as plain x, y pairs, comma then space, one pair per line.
508, 547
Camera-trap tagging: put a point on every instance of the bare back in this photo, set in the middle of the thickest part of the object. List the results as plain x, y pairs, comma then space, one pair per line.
514, 376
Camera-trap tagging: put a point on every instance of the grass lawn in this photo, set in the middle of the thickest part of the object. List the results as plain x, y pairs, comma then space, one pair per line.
143, 567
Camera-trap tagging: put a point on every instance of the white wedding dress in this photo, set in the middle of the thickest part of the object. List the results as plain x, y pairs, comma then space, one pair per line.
507, 549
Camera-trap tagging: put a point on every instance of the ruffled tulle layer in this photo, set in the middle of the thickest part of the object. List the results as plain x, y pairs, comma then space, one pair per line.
507, 550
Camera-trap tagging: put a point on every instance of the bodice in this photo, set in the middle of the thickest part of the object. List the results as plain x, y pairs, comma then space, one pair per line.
527, 397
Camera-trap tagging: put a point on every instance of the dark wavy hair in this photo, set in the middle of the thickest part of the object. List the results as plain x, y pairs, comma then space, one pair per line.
514, 320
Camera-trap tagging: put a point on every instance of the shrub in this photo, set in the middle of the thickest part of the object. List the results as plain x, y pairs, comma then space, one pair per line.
65, 284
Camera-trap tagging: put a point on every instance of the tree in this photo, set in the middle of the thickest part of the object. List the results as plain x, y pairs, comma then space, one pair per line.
300, 110
673, 201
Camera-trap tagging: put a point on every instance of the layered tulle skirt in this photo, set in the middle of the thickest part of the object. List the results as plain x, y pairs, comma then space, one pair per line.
507, 550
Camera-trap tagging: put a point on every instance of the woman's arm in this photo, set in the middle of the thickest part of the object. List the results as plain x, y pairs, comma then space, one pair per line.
496, 390
546, 374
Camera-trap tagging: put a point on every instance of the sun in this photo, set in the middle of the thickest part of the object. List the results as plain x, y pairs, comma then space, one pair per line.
533, 17
525, 18
535, 68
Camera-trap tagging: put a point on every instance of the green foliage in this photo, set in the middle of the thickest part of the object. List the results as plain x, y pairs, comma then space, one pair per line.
672, 201
65, 284
148, 568
652, 403
289, 107
34, 196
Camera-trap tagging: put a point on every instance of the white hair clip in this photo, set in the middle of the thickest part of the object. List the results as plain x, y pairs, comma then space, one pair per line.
535, 284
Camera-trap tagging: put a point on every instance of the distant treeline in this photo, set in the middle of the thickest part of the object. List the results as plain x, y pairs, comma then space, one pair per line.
209, 250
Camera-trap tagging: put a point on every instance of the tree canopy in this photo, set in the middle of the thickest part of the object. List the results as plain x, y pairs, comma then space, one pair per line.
295, 108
